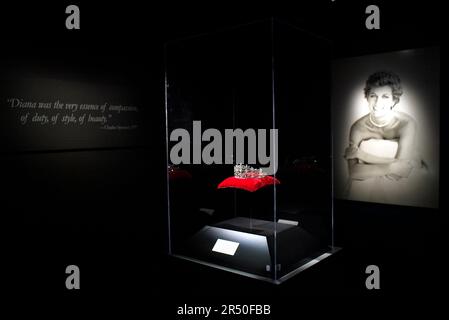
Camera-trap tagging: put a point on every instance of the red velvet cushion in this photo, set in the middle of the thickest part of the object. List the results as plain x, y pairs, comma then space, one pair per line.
248, 184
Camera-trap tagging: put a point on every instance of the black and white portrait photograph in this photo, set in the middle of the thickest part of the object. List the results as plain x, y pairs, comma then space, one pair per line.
386, 127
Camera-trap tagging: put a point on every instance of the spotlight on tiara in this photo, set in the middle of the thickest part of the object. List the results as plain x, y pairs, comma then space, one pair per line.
243, 171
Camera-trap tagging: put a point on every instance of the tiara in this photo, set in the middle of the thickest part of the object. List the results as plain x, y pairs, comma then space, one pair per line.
243, 171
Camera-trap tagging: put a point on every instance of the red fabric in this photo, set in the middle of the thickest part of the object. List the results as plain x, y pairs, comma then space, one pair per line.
177, 173
248, 184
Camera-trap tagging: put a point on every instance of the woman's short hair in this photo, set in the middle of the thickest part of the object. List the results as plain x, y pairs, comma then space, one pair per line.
384, 78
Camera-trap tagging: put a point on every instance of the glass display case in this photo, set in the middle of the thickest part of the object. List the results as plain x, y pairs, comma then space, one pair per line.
249, 169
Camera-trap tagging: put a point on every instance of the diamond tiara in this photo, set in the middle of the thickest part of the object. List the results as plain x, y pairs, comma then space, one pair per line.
243, 171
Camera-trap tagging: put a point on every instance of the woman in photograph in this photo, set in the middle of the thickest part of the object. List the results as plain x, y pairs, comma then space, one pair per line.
384, 164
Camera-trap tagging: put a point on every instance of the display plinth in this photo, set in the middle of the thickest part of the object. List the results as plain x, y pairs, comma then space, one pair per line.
250, 251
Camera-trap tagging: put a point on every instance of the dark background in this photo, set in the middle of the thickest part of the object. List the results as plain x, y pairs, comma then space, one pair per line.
105, 209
